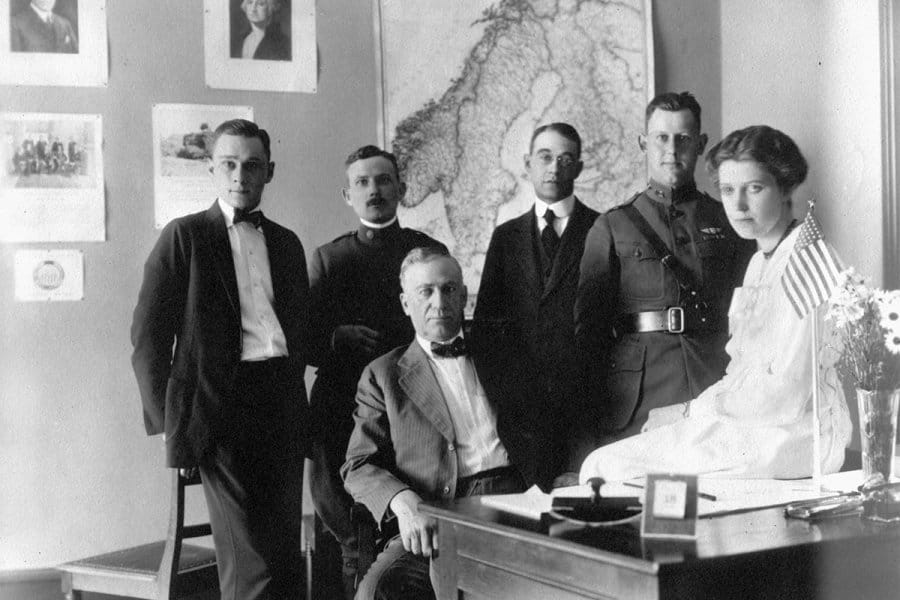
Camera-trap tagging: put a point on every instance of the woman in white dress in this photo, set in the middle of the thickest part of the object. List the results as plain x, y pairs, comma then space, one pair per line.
757, 420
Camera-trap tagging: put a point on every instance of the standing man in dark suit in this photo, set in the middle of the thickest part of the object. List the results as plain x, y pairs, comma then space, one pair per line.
356, 317
657, 276
38, 29
229, 288
262, 38
433, 421
527, 293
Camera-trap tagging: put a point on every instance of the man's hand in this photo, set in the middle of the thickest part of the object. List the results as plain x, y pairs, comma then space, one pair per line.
358, 339
418, 532
665, 415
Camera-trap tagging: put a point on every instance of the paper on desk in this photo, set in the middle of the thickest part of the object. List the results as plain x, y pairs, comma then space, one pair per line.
533, 503
731, 495
743, 494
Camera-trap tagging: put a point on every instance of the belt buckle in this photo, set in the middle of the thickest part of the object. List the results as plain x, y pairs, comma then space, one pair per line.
675, 319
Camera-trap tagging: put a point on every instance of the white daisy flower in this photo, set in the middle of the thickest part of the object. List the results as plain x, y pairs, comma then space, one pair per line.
892, 341
889, 310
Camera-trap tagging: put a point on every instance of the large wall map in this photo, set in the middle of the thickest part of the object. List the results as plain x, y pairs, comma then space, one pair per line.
465, 83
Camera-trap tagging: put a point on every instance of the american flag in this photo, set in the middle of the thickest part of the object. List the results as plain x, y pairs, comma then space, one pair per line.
812, 270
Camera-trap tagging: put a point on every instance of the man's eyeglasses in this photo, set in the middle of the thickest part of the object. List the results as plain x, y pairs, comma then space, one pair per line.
563, 161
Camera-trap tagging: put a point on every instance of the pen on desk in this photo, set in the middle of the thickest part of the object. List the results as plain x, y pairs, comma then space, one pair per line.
703, 495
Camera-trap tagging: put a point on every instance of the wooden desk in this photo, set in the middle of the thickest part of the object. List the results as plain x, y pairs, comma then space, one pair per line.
488, 554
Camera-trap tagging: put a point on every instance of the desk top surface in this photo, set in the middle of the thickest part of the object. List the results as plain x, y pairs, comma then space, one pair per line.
717, 537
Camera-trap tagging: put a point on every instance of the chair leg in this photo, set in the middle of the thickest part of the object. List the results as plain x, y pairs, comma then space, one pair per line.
68, 592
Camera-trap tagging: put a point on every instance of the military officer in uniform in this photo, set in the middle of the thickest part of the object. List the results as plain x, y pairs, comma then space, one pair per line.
356, 317
656, 280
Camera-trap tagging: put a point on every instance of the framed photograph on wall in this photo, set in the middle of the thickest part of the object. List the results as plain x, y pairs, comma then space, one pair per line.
459, 110
266, 45
51, 178
181, 149
53, 42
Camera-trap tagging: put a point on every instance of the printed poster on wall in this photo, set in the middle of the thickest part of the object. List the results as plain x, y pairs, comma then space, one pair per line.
181, 136
266, 45
51, 178
49, 275
53, 42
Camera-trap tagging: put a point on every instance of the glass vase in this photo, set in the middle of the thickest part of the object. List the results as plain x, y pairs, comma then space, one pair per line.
877, 431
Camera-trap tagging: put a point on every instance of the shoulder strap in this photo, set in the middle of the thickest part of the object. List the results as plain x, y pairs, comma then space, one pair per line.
682, 275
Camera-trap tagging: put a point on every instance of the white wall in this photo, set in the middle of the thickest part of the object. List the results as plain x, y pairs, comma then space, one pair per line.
78, 475
811, 69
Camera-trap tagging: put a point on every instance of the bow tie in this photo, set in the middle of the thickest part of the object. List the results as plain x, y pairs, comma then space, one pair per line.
254, 218
455, 348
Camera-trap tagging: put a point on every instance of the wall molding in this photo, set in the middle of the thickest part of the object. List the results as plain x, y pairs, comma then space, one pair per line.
890, 90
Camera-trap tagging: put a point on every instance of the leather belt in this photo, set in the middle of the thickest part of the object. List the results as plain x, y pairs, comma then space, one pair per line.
670, 320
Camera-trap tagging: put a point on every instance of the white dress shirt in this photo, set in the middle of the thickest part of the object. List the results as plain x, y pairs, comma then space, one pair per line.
561, 208
44, 15
261, 332
478, 446
371, 225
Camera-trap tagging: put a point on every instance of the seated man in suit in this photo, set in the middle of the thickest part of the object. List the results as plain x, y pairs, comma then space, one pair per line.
431, 422
262, 38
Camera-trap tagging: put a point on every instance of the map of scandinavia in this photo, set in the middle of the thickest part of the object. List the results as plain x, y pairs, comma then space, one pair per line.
465, 84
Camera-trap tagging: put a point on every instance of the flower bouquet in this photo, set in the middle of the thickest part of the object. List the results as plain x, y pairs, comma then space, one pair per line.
867, 323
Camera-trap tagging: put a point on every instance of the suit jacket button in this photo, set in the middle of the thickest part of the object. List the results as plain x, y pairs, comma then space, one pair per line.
451, 447
446, 490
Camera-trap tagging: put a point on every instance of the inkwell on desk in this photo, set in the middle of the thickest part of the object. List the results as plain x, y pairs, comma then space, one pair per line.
596, 511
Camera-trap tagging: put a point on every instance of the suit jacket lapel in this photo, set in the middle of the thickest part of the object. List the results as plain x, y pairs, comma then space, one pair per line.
526, 242
278, 268
217, 234
568, 256
419, 382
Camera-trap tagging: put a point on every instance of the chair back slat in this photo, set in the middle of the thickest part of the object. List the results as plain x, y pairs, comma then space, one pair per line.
194, 531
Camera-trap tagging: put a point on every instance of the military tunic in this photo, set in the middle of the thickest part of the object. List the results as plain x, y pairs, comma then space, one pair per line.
354, 280
632, 372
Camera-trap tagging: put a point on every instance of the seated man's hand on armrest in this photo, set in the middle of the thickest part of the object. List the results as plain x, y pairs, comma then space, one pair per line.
418, 532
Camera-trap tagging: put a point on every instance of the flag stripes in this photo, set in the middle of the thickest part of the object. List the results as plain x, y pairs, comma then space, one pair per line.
812, 270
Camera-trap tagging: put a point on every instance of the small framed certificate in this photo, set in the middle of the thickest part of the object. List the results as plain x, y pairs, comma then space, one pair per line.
670, 506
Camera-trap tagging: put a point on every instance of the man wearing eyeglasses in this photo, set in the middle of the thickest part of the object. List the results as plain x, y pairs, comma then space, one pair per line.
657, 277
219, 335
527, 291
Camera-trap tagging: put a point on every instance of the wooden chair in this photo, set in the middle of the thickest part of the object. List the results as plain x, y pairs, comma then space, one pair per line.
368, 537
162, 570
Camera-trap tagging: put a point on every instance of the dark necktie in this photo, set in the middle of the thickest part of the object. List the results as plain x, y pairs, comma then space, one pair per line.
455, 348
254, 218
549, 237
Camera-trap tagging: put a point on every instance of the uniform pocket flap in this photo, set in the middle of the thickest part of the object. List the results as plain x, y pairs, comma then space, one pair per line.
627, 357
636, 250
